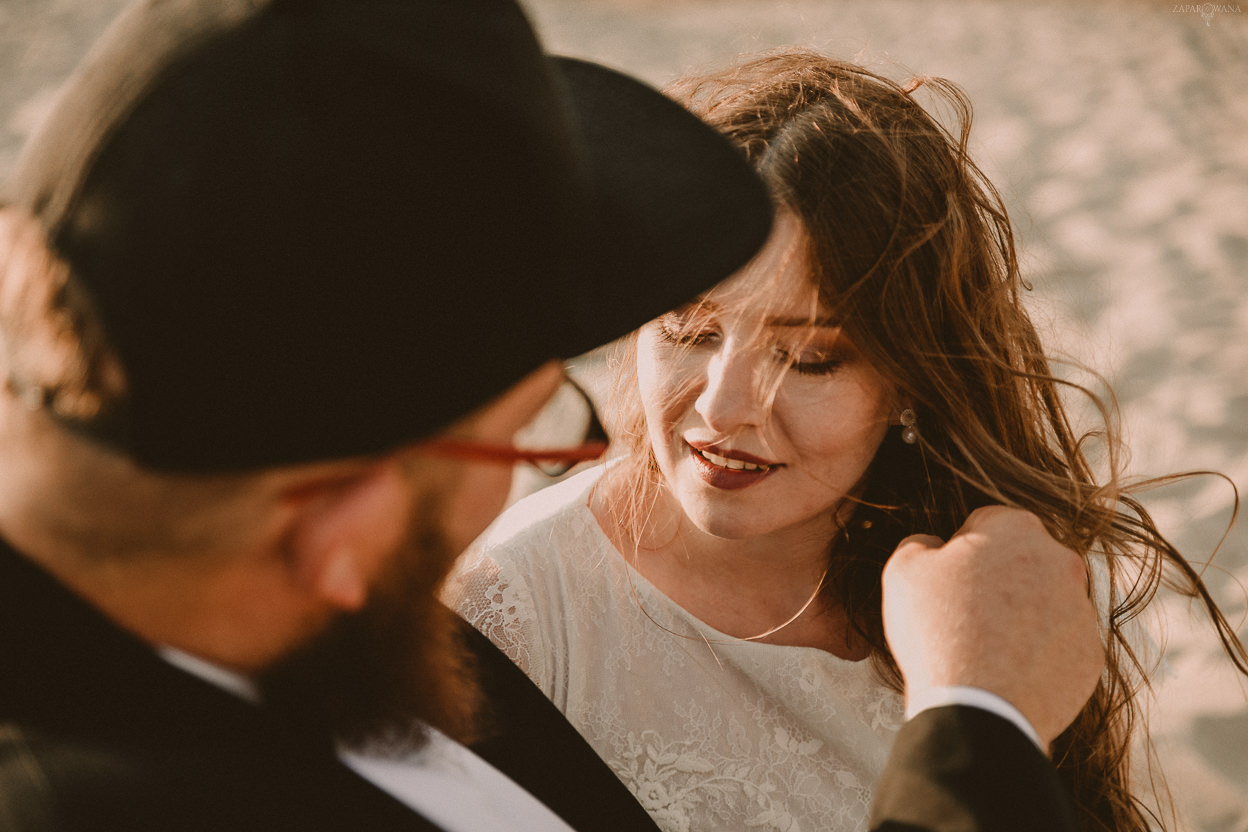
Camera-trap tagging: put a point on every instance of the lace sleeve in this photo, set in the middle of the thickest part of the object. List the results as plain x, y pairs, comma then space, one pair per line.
499, 603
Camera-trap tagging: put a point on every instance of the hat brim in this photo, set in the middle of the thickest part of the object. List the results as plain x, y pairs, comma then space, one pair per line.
297, 258
679, 207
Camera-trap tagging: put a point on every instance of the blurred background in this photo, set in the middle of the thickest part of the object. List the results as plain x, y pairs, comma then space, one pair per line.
1117, 133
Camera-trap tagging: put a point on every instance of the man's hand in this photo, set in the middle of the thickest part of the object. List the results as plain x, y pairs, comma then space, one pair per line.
1002, 606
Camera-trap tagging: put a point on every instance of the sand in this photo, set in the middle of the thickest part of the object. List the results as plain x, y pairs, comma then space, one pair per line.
1118, 134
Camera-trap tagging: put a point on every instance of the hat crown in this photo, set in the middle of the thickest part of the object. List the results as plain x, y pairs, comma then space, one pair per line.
253, 185
322, 228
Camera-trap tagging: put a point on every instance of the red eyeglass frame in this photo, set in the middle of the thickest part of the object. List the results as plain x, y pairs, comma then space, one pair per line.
503, 453
553, 462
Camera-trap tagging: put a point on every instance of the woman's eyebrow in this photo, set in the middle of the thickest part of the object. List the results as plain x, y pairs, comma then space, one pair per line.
826, 323
698, 305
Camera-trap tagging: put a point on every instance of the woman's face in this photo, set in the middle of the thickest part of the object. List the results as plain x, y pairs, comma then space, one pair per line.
761, 413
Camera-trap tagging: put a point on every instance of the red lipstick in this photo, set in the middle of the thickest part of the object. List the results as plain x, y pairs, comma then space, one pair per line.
718, 475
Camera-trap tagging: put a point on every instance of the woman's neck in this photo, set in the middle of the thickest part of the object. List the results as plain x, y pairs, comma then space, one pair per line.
740, 587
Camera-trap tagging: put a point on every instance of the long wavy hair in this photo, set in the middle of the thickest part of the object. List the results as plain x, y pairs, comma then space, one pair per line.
912, 246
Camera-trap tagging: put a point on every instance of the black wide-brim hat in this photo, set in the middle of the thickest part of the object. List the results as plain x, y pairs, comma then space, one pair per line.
319, 229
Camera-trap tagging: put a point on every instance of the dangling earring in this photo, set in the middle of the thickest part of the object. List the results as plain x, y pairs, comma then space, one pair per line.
909, 429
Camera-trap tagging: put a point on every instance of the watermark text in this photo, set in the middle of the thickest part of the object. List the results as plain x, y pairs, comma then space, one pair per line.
1206, 10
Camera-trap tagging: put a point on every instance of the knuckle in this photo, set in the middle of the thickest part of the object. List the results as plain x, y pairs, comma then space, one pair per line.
985, 514
1026, 519
1004, 518
912, 547
920, 541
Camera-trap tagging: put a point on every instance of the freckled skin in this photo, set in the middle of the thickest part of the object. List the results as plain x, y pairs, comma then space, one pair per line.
1001, 606
728, 384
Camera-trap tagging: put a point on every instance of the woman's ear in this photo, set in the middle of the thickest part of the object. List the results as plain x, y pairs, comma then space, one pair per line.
344, 531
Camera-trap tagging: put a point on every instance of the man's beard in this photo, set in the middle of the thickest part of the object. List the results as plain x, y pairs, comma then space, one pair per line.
376, 677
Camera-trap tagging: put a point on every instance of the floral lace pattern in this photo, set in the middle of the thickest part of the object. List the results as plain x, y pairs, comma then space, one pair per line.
707, 735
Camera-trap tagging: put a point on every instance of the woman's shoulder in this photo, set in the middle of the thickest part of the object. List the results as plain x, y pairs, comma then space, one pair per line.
555, 514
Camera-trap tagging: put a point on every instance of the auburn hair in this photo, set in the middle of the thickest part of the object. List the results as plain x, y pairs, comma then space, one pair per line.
912, 247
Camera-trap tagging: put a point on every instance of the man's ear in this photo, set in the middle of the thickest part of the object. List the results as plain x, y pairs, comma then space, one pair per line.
344, 530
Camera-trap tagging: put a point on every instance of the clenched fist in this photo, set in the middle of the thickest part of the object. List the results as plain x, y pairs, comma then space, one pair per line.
1001, 606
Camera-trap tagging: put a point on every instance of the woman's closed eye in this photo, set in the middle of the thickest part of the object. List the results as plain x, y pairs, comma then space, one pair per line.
812, 358
687, 329
812, 363
817, 357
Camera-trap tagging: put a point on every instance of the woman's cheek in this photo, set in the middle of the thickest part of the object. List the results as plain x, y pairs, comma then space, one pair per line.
668, 382
848, 412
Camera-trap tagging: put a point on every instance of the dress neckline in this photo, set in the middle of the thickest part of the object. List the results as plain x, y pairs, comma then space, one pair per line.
663, 604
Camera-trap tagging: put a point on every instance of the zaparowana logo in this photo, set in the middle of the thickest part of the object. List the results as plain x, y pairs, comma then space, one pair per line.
1206, 10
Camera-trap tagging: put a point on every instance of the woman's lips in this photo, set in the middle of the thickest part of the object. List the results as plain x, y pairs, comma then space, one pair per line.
729, 470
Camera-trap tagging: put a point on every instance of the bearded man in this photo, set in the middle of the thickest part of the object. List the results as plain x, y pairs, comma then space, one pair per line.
272, 271
280, 280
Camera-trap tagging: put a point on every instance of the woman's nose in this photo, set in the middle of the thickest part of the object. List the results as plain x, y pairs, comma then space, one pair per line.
732, 397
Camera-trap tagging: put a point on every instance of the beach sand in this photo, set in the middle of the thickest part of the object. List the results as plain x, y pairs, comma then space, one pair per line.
1118, 135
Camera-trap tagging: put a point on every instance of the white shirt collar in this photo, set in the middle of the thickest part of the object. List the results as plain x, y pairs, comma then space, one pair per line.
213, 674
444, 781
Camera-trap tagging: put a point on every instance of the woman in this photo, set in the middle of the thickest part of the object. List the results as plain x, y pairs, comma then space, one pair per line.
702, 609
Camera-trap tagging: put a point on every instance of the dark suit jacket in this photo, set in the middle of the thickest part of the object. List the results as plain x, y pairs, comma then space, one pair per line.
99, 734
960, 769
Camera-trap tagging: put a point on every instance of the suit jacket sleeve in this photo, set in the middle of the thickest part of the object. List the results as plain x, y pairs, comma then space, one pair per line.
965, 769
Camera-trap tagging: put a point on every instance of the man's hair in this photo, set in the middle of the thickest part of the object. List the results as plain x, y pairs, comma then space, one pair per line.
56, 356
56, 364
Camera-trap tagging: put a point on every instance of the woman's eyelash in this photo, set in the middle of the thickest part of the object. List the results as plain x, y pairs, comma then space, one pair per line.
689, 334
818, 368
826, 364
686, 335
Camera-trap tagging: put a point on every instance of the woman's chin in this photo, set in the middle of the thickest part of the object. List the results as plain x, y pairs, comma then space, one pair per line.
724, 523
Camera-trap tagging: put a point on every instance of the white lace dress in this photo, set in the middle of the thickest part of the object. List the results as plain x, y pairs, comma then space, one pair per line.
708, 736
